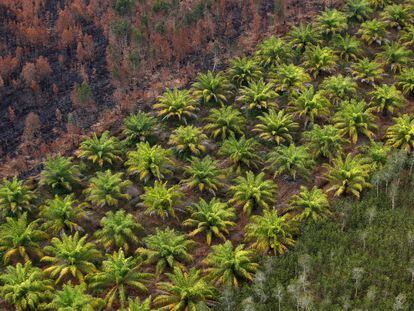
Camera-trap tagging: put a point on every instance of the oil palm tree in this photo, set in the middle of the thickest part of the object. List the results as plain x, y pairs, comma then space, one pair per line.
20, 239
397, 15
185, 291
272, 52
276, 127
303, 36
331, 22
138, 305
354, 118
25, 287
348, 47
406, 80
401, 134
395, 56
139, 127
318, 59
348, 175
188, 140
149, 162
270, 232
107, 189
358, 10
367, 71
103, 150
117, 275
211, 87
291, 78
166, 249
325, 141
373, 30
386, 99
243, 71
377, 154
310, 204
176, 104
118, 230
213, 218
229, 265
338, 88
407, 36
224, 122
15, 197
380, 4
258, 95
70, 256
252, 192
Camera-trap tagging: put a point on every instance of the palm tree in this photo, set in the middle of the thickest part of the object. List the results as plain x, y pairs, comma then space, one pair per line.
62, 214
379, 4
76, 298
406, 80
377, 153
118, 230
138, 305
241, 152
331, 22
397, 15
401, 133
102, 150
339, 88
324, 141
20, 239
243, 71
212, 218
176, 104
228, 265
273, 51
224, 122
139, 127
386, 98
407, 36
276, 127
270, 232
348, 175
373, 30
291, 78
25, 287
310, 204
258, 95
186, 291
107, 189
253, 191
160, 199
188, 140
15, 197
149, 162
367, 71
203, 174
166, 248
303, 36
358, 10
59, 174
348, 47
119, 273
396, 56
211, 88
354, 118
311, 105
320, 59
71, 256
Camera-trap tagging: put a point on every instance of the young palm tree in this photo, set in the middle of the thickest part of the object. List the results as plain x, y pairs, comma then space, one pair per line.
270, 232
292, 160
303, 36
241, 152
258, 95
348, 175
212, 218
176, 104
188, 140
406, 80
149, 162
397, 15
107, 189
319, 59
186, 291
401, 133
118, 230
373, 30
276, 127
386, 99
243, 71
348, 47
62, 214
117, 275
20, 239
291, 78
253, 191
311, 105
166, 248
138, 305
25, 287
331, 22
160, 199
395, 56
377, 153
139, 127
224, 122
203, 174
354, 118
358, 10
15, 197
272, 52
310, 204
75, 297
324, 141
71, 256
103, 150
211, 88
367, 71
59, 174
338, 88
228, 265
